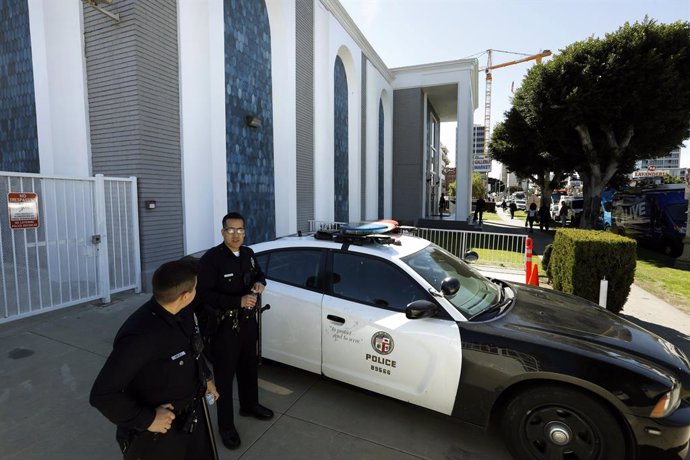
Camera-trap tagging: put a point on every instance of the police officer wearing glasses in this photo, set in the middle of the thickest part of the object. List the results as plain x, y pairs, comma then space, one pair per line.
229, 281
152, 385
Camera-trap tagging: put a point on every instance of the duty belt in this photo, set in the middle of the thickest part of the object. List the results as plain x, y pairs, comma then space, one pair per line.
233, 315
230, 314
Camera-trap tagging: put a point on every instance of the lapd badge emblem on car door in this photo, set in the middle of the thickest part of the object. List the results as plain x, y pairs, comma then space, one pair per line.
382, 343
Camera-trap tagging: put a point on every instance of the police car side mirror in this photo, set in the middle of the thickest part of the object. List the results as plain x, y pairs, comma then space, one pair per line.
449, 287
420, 309
470, 256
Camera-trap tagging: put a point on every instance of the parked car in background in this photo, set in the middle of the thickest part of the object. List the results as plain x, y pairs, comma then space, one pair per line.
555, 209
520, 200
575, 205
557, 194
654, 216
575, 211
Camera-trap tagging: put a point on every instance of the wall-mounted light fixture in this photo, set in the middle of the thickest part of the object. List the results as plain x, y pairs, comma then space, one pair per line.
95, 4
150, 204
253, 121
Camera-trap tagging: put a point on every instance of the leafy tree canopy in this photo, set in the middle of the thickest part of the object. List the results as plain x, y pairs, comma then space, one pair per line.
518, 146
603, 103
478, 187
669, 179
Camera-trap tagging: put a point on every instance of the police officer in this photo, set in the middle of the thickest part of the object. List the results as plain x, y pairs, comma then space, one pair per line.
153, 383
229, 281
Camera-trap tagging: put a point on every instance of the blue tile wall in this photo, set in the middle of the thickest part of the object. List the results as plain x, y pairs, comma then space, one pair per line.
249, 151
341, 169
18, 134
381, 144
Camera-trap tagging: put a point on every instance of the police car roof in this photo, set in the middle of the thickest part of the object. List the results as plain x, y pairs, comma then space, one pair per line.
408, 245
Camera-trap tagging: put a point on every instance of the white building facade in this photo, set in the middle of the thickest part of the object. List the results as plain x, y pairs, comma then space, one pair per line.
278, 109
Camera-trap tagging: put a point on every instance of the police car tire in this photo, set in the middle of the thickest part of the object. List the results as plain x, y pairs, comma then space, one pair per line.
531, 415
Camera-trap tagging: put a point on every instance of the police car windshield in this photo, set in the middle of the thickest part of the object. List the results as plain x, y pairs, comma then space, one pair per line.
476, 292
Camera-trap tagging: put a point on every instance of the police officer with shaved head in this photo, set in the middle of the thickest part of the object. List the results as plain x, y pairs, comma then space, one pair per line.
152, 385
229, 281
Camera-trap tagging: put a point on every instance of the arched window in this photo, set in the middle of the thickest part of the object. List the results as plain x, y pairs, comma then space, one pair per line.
248, 93
340, 142
18, 130
381, 167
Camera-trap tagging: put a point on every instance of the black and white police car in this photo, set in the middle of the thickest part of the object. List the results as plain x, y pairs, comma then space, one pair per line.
397, 315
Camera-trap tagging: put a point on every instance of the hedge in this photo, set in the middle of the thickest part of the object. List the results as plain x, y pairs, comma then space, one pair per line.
581, 258
545, 259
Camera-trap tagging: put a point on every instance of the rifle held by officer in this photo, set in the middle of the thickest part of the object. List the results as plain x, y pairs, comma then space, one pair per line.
259, 313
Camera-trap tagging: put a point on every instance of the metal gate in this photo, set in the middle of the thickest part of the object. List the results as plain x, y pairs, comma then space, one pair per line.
84, 245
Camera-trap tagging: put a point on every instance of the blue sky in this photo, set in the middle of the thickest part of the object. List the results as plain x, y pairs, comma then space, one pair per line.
409, 32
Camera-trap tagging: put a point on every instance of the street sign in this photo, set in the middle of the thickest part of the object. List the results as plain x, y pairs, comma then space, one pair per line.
655, 173
482, 164
482, 168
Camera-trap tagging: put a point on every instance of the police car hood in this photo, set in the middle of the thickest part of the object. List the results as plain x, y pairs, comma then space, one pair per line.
547, 312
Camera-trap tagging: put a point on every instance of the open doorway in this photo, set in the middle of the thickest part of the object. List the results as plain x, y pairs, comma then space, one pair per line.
448, 188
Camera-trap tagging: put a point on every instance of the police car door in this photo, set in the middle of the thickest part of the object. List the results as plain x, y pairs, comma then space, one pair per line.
367, 340
291, 327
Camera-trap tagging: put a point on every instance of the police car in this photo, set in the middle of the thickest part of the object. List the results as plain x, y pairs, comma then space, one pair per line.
398, 315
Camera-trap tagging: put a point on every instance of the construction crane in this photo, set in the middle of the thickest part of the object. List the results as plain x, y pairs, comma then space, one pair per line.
487, 96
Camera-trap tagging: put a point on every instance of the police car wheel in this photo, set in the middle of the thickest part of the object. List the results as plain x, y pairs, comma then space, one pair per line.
561, 423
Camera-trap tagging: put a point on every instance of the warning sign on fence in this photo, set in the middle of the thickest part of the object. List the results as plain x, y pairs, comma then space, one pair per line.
23, 209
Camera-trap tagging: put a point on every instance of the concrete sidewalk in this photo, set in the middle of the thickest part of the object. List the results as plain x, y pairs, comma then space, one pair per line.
51, 360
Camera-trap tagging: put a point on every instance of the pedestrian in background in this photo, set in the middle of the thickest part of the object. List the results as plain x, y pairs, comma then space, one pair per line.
513, 208
229, 281
544, 217
563, 213
479, 207
531, 217
153, 383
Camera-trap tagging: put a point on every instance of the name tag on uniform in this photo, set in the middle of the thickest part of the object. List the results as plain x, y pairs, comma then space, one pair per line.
179, 355
228, 275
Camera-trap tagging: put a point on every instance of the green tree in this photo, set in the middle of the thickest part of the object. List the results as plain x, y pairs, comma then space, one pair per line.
518, 146
669, 179
478, 187
603, 103
451, 188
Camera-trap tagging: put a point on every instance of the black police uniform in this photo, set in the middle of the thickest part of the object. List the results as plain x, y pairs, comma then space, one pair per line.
153, 363
223, 279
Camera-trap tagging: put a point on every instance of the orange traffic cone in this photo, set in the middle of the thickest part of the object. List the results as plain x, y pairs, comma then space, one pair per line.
534, 277
528, 259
